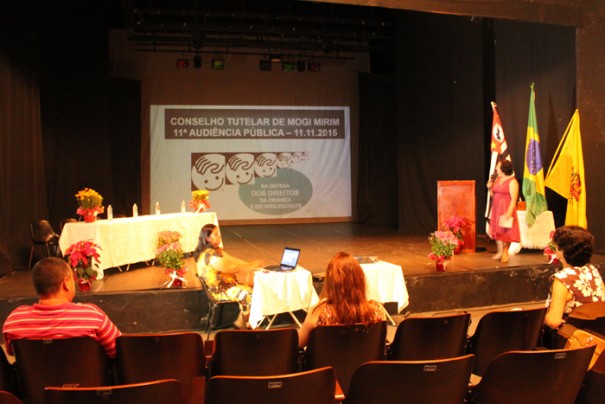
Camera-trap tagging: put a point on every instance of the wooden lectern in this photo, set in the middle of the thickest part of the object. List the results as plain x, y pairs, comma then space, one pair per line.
457, 198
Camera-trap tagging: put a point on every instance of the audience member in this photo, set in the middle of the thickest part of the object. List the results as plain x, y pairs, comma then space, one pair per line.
55, 315
219, 271
578, 282
343, 298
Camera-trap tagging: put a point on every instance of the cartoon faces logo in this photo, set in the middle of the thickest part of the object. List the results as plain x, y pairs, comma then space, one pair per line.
284, 160
266, 164
240, 169
212, 171
208, 171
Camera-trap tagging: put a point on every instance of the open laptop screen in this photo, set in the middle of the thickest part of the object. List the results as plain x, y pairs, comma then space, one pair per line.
290, 257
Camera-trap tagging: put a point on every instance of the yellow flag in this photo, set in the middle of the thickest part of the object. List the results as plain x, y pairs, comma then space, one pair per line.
566, 173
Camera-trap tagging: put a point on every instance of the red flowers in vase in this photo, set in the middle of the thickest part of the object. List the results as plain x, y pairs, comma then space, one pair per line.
456, 225
83, 257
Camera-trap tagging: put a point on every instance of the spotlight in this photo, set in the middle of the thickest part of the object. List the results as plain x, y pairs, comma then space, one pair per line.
197, 61
182, 63
275, 58
265, 65
288, 66
313, 67
300, 65
218, 64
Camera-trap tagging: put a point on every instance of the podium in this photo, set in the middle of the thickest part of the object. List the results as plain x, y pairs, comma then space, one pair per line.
457, 198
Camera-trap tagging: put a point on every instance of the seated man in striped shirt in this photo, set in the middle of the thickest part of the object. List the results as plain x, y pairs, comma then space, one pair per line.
55, 315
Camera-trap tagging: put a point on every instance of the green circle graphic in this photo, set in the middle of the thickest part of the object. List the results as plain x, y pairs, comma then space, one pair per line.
288, 191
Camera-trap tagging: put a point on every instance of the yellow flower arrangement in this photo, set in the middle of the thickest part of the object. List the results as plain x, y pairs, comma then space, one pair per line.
88, 198
90, 201
199, 200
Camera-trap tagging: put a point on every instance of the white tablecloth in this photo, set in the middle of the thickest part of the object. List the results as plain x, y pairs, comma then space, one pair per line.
538, 235
280, 292
385, 283
134, 239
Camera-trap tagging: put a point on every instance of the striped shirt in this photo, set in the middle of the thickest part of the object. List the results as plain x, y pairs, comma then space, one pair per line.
67, 320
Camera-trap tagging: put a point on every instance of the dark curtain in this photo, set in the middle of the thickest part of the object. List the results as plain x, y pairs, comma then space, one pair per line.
545, 55
65, 123
22, 181
439, 118
377, 191
448, 69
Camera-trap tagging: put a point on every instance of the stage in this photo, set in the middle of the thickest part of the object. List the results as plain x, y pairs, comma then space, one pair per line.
138, 301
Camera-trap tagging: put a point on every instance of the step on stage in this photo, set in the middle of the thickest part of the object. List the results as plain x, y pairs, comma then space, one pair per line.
137, 301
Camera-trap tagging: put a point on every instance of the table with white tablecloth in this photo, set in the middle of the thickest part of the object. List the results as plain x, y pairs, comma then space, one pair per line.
385, 283
538, 235
134, 239
281, 292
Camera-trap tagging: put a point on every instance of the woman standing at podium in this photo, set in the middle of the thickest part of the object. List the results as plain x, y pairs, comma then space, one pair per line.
504, 226
219, 270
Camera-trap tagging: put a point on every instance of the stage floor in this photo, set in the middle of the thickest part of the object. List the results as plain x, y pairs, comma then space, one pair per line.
318, 243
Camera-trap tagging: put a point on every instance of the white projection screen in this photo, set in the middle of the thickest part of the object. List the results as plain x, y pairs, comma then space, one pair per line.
259, 163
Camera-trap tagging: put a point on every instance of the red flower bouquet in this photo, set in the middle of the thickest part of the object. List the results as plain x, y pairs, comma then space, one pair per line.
83, 257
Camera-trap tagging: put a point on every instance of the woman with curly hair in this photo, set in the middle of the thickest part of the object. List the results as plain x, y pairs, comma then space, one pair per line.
578, 282
343, 299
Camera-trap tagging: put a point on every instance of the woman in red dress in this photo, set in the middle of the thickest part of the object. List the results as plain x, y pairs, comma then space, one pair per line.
504, 226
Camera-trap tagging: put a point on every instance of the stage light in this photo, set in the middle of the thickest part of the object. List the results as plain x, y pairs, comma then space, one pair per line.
197, 61
218, 63
300, 65
265, 65
313, 67
182, 63
275, 58
288, 66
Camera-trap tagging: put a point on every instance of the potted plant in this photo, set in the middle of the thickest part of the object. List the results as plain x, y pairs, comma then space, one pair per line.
91, 204
199, 200
169, 255
442, 247
83, 257
456, 224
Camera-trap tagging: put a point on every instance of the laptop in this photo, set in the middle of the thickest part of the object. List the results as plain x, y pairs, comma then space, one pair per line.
289, 260
366, 259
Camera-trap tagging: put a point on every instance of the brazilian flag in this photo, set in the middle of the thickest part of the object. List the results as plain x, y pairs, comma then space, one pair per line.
533, 172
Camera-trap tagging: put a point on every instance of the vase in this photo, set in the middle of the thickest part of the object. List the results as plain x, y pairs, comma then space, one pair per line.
89, 217
457, 249
440, 264
84, 284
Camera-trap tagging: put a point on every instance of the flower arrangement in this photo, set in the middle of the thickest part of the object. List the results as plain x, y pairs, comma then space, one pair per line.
168, 237
442, 244
83, 257
551, 251
91, 203
169, 256
456, 224
199, 200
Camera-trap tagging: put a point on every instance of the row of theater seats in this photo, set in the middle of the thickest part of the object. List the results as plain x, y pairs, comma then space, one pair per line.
429, 360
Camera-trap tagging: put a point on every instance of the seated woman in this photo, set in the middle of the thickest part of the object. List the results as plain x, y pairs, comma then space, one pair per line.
219, 271
578, 282
343, 299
